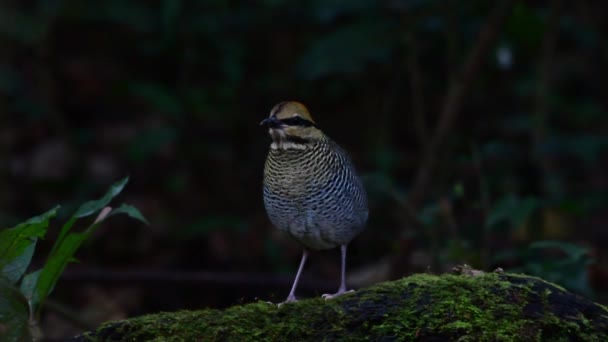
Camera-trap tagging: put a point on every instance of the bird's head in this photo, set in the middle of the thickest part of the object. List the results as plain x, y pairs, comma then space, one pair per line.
291, 126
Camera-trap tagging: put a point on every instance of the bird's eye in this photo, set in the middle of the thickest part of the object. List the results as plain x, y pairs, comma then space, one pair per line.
297, 121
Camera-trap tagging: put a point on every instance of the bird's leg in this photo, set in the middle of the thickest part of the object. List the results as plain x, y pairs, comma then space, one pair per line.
292, 294
342, 290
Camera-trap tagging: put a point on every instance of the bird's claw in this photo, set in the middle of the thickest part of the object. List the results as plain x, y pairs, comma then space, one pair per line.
337, 294
290, 299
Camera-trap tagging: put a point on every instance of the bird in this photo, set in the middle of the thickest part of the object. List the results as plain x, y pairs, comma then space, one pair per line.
310, 187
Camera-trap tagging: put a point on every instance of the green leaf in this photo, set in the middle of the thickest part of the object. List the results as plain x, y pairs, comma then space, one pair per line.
131, 211
17, 267
92, 207
56, 263
64, 231
28, 289
14, 242
14, 313
67, 244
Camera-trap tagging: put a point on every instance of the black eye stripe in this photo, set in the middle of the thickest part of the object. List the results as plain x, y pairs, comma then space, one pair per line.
297, 121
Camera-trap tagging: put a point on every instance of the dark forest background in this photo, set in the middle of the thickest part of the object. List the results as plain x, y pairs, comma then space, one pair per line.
479, 128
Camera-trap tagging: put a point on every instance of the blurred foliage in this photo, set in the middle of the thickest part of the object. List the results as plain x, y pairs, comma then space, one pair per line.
23, 294
172, 92
561, 262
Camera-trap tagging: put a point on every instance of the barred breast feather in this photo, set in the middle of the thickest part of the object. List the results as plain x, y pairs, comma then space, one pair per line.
314, 194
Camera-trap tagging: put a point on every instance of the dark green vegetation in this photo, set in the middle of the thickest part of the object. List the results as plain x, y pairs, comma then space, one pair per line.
488, 307
479, 129
23, 295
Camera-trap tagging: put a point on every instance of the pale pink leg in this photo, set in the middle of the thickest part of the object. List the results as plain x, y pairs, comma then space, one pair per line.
292, 294
342, 290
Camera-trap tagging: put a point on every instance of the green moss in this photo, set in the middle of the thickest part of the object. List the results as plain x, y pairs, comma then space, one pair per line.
456, 306
488, 307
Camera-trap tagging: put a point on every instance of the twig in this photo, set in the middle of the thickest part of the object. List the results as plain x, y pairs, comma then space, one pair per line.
455, 99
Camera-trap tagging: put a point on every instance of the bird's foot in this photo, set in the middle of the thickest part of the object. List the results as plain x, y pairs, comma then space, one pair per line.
337, 294
290, 299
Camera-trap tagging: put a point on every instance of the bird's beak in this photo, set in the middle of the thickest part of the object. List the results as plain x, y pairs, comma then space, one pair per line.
271, 122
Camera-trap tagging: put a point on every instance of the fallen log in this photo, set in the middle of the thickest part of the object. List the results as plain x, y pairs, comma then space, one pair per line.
471, 306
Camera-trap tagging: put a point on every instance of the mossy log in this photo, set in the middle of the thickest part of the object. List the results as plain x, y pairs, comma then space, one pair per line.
479, 307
